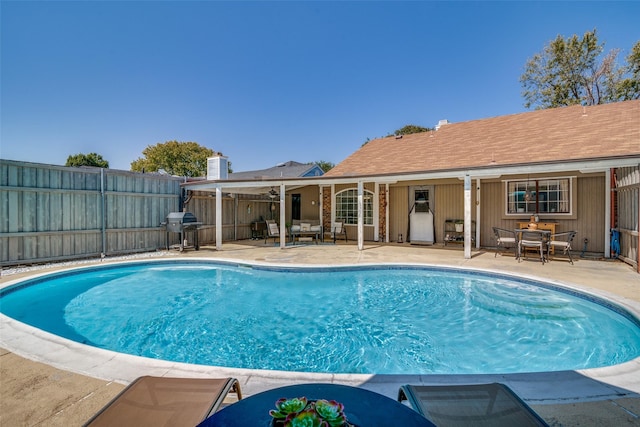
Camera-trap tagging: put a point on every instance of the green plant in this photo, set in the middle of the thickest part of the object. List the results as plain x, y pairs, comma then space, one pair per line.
298, 412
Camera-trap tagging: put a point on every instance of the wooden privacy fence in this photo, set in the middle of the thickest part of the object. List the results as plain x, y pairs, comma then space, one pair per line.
52, 212
55, 213
628, 200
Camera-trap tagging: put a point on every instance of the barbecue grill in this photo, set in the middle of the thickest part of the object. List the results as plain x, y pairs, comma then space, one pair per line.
184, 223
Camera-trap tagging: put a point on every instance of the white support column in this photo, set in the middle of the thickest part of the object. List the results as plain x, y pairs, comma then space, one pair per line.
607, 214
386, 213
478, 213
218, 218
360, 215
467, 216
283, 223
376, 212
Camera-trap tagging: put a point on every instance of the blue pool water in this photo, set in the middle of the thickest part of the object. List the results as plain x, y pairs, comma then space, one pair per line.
384, 319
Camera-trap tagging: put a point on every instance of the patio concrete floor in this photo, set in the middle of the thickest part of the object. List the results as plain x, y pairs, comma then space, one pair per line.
47, 380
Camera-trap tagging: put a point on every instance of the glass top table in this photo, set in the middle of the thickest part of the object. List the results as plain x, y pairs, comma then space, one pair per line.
362, 407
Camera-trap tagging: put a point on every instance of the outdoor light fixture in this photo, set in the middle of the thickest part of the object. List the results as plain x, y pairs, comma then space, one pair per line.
272, 193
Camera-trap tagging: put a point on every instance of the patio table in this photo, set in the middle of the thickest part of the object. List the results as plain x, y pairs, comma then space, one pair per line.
362, 407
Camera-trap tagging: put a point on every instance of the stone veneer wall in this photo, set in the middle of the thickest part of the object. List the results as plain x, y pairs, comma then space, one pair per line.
326, 209
382, 204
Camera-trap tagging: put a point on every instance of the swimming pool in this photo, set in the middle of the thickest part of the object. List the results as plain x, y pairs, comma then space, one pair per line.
374, 319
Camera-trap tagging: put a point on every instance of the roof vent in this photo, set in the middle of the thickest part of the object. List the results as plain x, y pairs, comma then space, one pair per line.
442, 123
398, 136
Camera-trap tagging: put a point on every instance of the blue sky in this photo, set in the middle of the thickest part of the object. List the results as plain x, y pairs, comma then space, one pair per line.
266, 82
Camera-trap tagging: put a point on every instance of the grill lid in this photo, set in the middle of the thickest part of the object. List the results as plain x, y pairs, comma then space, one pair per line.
181, 217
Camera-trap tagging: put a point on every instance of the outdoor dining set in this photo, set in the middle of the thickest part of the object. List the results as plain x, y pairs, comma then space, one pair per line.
540, 241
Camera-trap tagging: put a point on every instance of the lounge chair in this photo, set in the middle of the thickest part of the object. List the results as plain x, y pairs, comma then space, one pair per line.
163, 402
505, 239
475, 405
338, 229
563, 241
273, 230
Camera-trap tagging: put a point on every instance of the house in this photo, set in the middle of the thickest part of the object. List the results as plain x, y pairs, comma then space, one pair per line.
288, 169
561, 164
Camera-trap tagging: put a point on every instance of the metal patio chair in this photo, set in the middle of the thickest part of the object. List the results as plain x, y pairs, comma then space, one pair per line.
563, 241
505, 239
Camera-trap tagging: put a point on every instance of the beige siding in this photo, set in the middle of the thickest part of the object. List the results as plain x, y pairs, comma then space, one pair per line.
588, 221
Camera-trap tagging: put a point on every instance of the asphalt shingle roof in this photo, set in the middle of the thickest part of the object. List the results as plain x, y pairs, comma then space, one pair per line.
288, 169
552, 135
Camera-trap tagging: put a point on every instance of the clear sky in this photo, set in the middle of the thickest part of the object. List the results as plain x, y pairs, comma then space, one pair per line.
267, 82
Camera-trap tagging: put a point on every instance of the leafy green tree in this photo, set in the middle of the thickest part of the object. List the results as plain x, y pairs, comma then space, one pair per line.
176, 158
91, 159
409, 129
629, 88
405, 130
324, 165
570, 71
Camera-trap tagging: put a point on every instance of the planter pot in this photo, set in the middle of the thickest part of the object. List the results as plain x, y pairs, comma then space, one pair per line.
459, 228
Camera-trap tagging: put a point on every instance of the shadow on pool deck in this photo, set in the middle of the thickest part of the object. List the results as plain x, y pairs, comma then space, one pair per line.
66, 390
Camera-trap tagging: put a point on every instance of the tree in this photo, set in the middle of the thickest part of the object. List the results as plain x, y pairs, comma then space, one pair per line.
629, 88
176, 158
91, 159
405, 130
569, 72
325, 166
409, 129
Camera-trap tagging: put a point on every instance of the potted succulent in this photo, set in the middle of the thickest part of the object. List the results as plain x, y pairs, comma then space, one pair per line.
298, 412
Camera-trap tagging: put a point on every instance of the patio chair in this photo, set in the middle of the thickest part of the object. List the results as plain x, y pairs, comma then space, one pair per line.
563, 241
338, 229
163, 401
531, 239
273, 230
505, 239
475, 405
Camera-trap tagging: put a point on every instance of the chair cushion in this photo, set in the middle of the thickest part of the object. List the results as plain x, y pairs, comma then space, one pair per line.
295, 228
507, 240
273, 228
305, 226
315, 228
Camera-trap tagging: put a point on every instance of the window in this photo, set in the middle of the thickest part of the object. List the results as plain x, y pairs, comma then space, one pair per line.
347, 207
421, 198
539, 196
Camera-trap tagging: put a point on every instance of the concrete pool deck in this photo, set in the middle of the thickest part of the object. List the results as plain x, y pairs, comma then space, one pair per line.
47, 380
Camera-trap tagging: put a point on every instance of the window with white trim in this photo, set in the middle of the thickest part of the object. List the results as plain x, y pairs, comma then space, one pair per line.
347, 207
539, 196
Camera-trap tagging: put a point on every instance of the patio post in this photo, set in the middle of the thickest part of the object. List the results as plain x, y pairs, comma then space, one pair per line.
360, 215
283, 224
467, 216
218, 218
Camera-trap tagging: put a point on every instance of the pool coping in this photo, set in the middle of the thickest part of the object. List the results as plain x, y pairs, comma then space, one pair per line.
618, 381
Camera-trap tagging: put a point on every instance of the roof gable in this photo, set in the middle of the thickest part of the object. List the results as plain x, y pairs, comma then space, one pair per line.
552, 135
288, 169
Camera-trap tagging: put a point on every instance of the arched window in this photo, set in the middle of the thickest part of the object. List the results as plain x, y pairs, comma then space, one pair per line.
347, 206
